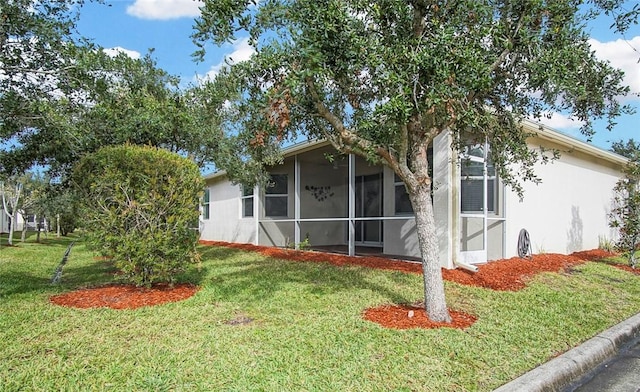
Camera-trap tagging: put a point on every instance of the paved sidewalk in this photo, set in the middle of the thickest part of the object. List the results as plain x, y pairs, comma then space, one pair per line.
561, 372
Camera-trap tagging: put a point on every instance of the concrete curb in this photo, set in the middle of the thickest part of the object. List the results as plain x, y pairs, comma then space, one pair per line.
561, 371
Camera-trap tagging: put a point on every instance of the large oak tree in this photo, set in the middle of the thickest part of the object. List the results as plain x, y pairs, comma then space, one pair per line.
61, 96
382, 79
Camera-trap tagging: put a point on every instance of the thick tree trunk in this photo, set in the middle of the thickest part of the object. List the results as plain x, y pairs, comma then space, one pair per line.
434, 298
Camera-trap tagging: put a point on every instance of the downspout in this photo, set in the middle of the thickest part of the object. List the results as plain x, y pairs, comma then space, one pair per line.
468, 267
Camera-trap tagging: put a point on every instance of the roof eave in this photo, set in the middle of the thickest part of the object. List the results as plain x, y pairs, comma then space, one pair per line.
538, 129
555, 136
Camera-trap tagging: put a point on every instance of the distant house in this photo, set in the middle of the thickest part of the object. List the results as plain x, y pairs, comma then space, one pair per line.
5, 222
352, 206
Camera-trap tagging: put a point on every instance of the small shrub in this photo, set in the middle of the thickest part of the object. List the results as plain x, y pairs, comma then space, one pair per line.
139, 205
305, 244
606, 244
302, 245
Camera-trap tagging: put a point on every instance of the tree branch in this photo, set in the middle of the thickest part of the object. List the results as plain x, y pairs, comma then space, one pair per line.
418, 17
350, 142
506, 51
503, 55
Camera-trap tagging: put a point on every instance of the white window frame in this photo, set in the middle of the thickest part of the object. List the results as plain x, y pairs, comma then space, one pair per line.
244, 196
493, 206
206, 203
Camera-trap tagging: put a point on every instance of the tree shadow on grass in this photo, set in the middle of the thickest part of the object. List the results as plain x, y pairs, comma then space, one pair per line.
221, 254
76, 273
96, 273
237, 276
20, 282
101, 272
222, 257
49, 240
28, 268
14, 281
262, 278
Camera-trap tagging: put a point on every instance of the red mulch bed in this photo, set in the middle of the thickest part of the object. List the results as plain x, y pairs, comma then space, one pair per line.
331, 258
509, 274
124, 296
407, 316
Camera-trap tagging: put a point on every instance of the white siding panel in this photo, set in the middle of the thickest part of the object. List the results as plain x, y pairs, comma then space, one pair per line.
568, 211
225, 222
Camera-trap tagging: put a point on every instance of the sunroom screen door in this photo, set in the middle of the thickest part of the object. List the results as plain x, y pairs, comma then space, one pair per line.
477, 188
369, 204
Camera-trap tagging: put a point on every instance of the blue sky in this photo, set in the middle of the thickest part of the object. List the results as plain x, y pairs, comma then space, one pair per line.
166, 25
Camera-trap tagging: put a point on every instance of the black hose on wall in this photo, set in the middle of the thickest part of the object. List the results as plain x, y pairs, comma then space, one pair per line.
524, 244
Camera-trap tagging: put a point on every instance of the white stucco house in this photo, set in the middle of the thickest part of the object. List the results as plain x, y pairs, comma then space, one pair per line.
20, 224
353, 206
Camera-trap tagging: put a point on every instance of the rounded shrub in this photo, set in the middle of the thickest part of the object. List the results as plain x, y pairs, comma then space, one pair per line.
140, 206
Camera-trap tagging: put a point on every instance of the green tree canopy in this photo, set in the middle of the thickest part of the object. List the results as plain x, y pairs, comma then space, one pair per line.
64, 97
629, 149
381, 79
42, 61
139, 104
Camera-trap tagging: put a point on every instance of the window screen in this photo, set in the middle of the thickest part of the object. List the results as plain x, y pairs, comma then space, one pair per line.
402, 201
205, 204
472, 182
276, 198
247, 202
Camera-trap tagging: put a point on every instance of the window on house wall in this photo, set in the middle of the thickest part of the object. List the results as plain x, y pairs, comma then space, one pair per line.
276, 198
472, 181
205, 204
403, 204
247, 202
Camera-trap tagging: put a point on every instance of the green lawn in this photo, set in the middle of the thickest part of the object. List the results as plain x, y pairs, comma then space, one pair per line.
307, 332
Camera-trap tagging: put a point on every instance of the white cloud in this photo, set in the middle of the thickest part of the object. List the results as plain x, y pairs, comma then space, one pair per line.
242, 51
113, 52
622, 54
165, 9
561, 122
